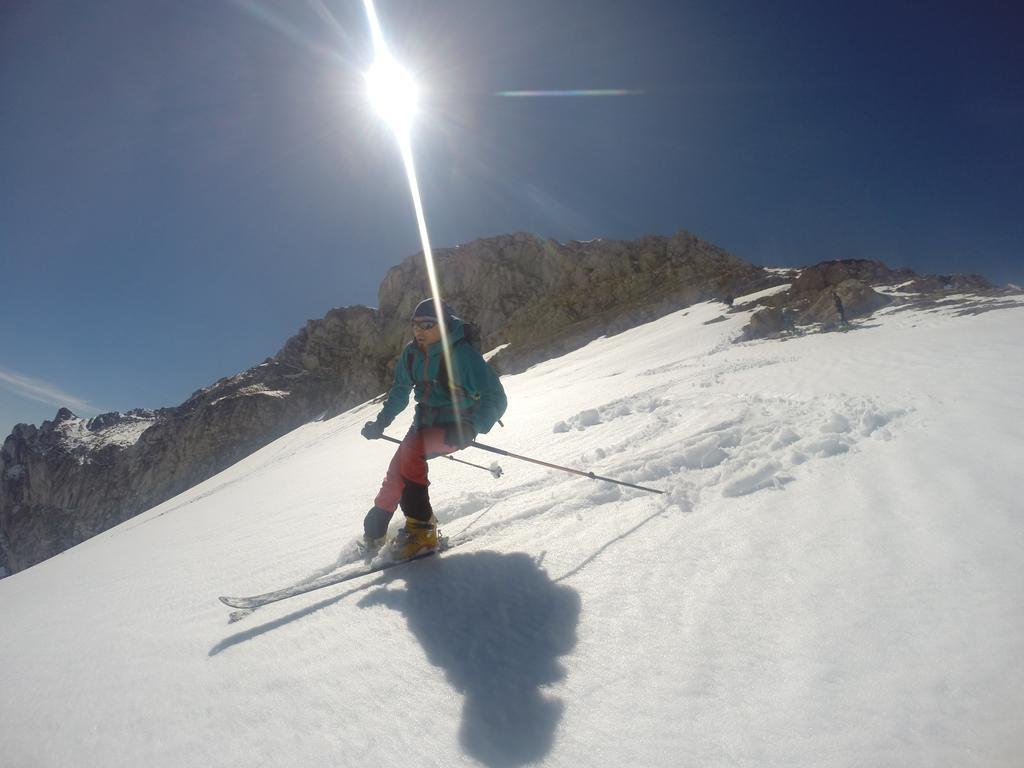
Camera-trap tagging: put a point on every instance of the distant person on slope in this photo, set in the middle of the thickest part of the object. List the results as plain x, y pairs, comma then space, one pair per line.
448, 418
839, 308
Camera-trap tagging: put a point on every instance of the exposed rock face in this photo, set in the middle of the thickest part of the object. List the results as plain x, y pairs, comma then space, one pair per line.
72, 478
340, 358
828, 274
545, 298
937, 283
811, 297
858, 300
763, 323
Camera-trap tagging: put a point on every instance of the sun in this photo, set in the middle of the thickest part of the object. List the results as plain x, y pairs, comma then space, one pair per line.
393, 92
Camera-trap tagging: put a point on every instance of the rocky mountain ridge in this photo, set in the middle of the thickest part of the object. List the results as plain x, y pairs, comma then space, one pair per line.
71, 478
828, 295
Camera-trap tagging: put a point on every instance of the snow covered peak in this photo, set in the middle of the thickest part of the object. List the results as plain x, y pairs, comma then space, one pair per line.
84, 437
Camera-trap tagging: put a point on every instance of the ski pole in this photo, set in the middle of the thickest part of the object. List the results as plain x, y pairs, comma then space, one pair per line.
591, 475
495, 470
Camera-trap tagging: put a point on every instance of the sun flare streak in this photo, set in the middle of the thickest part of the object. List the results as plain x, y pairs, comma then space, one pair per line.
393, 94
558, 94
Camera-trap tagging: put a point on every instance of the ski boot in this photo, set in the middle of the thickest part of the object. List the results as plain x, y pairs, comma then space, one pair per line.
418, 537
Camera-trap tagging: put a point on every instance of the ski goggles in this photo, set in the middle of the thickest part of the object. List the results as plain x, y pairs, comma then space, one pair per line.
424, 325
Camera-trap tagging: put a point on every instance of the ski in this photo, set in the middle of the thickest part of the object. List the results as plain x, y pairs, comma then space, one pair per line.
256, 601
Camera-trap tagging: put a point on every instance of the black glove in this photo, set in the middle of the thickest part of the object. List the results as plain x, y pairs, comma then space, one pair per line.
452, 437
372, 430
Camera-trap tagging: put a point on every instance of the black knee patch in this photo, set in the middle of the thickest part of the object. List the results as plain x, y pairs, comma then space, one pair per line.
415, 501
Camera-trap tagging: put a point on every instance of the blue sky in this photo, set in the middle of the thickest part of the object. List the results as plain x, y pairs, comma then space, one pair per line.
184, 182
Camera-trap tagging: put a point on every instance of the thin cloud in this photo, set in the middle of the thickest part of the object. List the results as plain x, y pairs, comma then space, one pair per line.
43, 392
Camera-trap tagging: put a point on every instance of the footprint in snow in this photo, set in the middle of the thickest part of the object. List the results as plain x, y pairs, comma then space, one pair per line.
757, 447
592, 417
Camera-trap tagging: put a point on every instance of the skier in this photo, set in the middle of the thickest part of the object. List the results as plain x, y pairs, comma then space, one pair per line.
839, 308
448, 418
788, 319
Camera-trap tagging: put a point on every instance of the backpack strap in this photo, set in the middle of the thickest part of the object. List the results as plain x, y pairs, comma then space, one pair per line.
442, 373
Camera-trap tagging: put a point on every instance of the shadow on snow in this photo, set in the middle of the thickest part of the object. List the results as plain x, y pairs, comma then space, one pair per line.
496, 624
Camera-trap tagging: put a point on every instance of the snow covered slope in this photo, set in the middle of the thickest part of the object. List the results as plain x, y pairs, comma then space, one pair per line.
833, 577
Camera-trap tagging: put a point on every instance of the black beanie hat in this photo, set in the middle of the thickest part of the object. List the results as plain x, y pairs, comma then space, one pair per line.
425, 309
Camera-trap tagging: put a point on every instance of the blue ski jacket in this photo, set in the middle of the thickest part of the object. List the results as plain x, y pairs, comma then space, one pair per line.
477, 395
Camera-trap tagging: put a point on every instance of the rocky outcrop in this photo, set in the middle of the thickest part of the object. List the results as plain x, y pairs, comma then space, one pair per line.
764, 323
344, 357
942, 283
829, 274
811, 298
543, 298
857, 299
72, 478
813, 303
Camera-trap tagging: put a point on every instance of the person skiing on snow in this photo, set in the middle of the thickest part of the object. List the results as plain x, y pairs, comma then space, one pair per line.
449, 416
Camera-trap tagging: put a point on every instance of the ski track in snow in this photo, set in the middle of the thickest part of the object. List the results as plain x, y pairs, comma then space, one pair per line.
753, 444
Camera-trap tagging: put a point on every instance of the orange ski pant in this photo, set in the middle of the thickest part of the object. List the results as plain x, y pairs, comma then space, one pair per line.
409, 464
